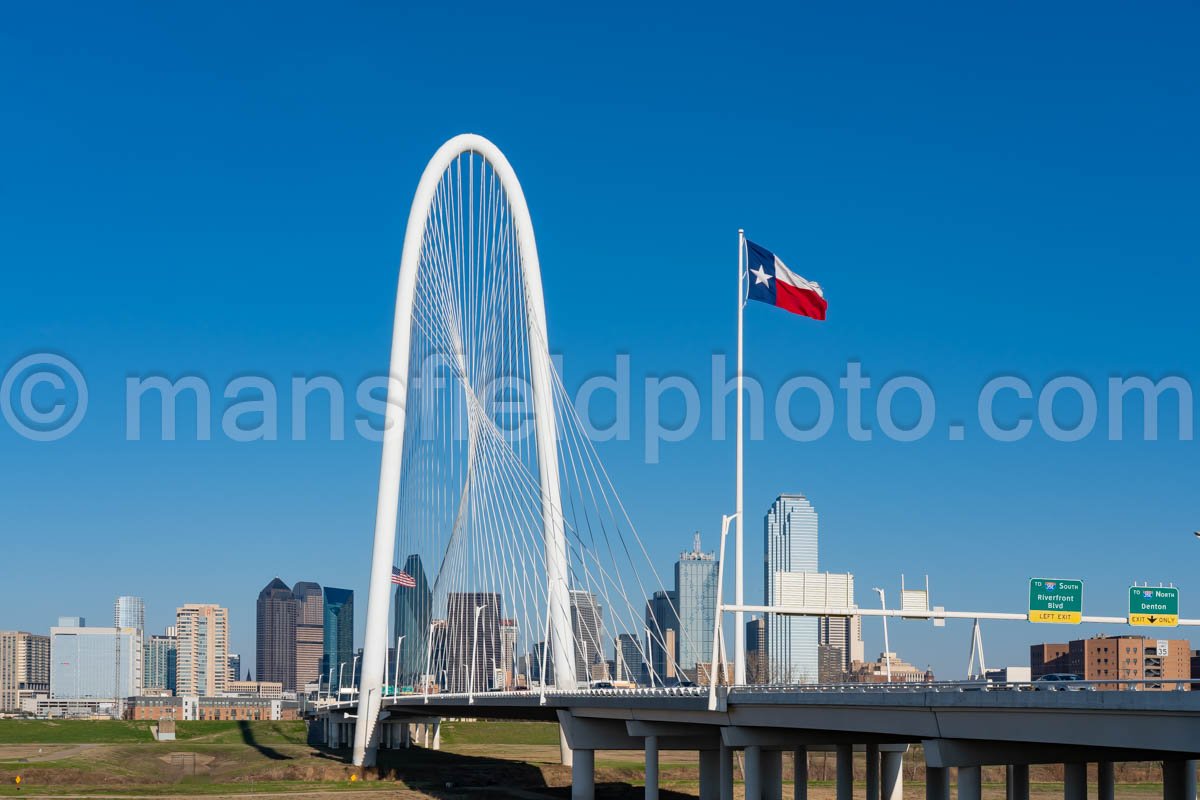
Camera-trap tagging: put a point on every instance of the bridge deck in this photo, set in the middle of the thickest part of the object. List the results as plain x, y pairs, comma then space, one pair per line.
1143, 724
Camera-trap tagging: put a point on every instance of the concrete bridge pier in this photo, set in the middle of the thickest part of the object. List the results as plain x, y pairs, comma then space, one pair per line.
1075, 781
937, 783
970, 783
800, 773
872, 754
726, 766
752, 772
651, 767
893, 775
333, 732
1106, 781
845, 772
583, 775
1179, 779
771, 762
1016, 782
710, 775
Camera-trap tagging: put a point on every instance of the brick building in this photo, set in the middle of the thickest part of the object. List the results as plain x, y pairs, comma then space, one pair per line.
251, 709
1119, 658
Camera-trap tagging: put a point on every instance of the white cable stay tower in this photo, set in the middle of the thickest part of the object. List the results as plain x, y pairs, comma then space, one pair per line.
520, 566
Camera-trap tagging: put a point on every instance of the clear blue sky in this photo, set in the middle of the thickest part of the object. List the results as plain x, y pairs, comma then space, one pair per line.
222, 190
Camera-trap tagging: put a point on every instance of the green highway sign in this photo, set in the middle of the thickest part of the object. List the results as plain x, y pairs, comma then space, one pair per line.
1055, 600
1154, 606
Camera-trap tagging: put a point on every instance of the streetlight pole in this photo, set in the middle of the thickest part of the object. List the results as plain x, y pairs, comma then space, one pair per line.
428, 656
887, 648
716, 638
474, 644
650, 657
354, 676
341, 683
396, 667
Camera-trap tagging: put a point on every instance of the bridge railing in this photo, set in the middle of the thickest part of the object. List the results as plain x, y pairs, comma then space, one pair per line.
1103, 684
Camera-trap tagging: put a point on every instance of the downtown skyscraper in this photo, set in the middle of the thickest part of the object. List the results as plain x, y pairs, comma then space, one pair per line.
129, 612
587, 629
338, 633
412, 612
662, 635
473, 629
275, 636
790, 546
696, 593
310, 632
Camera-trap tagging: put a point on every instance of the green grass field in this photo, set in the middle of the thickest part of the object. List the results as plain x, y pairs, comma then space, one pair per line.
220, 759
520, 733
43, 731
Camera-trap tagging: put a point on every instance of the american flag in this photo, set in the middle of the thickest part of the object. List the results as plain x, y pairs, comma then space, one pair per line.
402, 578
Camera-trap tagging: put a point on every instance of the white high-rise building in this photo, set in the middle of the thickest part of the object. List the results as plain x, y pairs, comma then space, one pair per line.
94, 663
696, 594
790, 546
826, 590
129, 612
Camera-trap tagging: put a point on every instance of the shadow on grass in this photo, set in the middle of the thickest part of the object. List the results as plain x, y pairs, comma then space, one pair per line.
442, 774
248, 738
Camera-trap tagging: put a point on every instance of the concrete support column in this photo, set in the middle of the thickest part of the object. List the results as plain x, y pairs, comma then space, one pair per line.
437, 735
710, 775
893, 775
1179, 780
651, 768
872, 772
937, 783
583, 775
725, 754
800, 774
845, 772
1016, 782
1074, 781
970, 783
752, 770
772, 774
1106, 781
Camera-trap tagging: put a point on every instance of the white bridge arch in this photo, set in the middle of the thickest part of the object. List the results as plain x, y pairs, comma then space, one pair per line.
378, 600
536, 574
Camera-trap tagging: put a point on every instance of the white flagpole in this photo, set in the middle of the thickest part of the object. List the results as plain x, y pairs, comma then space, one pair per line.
739, 623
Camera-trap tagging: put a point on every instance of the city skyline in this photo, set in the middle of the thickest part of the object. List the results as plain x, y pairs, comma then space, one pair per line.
910, 186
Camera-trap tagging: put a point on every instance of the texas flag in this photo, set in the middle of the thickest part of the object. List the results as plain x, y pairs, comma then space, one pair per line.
772, 282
